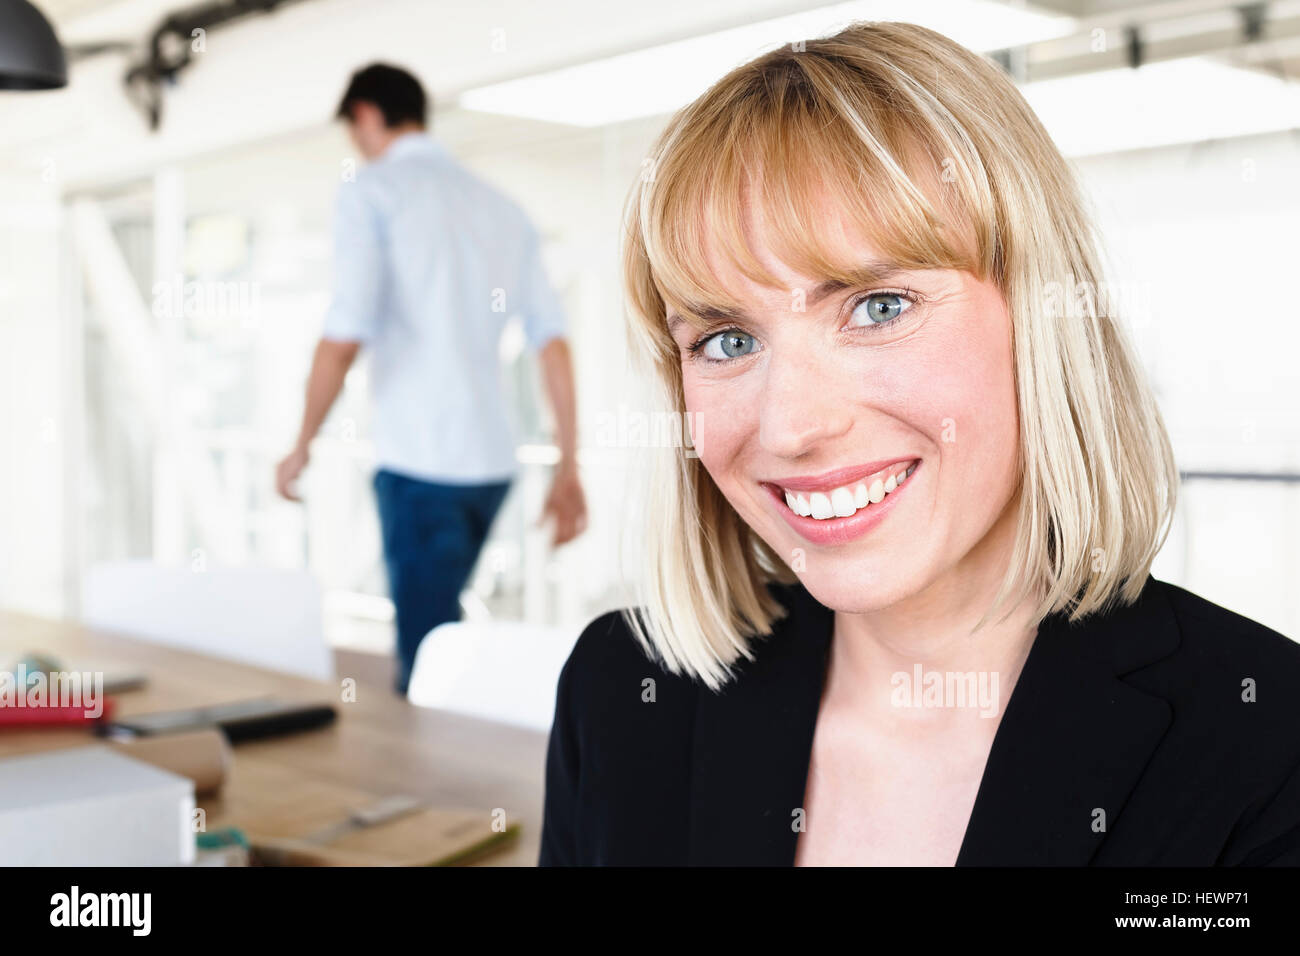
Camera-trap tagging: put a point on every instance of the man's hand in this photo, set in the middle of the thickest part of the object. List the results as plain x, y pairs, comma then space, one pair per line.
287, 472
566, 504
329, 365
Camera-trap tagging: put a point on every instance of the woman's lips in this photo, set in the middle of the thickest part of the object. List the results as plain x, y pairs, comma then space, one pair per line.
833, 514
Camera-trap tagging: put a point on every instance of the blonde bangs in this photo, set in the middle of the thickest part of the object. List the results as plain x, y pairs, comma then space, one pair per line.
784, 151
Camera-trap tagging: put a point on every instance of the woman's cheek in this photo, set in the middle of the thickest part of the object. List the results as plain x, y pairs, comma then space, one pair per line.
718, 426
968, 408
915, 390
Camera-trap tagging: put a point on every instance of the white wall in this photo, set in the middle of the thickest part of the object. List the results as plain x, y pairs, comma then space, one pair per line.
1205, 237
34, 390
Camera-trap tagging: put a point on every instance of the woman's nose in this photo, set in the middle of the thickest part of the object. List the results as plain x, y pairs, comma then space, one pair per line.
801, 406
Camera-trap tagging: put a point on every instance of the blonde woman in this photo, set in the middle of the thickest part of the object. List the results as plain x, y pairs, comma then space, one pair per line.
899, 610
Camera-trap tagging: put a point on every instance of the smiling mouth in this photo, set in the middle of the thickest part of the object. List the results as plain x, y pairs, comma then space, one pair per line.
845, 500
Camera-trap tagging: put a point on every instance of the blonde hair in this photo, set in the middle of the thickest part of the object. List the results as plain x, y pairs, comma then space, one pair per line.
870, 116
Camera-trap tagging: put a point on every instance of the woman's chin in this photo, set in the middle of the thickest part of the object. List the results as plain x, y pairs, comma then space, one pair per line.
859, 588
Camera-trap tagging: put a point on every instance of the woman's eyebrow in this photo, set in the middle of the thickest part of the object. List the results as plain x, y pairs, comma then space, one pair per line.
872, 272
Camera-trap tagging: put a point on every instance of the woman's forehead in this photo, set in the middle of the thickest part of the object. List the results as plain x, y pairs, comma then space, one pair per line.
839, 239
763, 219
840, 253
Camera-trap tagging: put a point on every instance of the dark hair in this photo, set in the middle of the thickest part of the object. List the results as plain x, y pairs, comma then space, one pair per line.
397, 93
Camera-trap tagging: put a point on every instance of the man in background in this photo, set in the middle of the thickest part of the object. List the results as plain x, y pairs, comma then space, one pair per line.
429, 262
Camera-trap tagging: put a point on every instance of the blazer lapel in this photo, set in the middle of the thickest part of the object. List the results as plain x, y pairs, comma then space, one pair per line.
753, 742
1074, 739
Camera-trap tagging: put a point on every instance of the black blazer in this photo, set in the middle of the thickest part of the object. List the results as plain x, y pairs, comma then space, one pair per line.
1138, 711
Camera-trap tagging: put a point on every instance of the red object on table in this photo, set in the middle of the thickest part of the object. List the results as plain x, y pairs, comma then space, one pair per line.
14, 716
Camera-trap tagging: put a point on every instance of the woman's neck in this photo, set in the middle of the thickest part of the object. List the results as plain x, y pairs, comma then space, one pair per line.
876, 656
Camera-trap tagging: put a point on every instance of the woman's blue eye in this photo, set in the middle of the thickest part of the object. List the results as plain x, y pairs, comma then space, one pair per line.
879, 309
730, 344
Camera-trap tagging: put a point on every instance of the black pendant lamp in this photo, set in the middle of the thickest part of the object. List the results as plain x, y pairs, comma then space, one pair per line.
30, 55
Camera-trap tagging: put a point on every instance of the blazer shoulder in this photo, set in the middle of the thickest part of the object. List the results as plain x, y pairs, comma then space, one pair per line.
608, 642
609, 645
608, 654
1241, 674
1249, 742
1216, 634
619, 757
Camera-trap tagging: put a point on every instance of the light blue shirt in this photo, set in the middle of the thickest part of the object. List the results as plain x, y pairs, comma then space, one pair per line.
429, 264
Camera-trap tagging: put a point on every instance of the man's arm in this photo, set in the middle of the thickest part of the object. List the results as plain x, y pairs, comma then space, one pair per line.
329, 366
353, 318
565, 503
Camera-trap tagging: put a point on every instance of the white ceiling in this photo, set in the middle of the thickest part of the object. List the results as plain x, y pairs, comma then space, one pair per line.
270, 75
275, 79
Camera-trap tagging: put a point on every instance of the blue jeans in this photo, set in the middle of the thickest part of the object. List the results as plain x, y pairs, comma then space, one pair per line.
432, 536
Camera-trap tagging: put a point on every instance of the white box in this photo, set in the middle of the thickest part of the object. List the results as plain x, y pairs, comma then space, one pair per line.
92, 806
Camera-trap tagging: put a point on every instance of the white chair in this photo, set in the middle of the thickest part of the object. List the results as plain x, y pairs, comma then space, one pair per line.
265, 617
498, 670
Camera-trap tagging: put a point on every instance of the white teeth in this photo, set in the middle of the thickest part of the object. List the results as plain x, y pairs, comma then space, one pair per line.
846, 501
842, 502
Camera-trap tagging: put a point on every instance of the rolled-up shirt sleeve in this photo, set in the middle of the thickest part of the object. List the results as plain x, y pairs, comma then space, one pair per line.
543, 314
356, 303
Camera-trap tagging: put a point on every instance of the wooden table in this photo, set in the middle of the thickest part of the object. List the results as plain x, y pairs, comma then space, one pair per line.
380, 744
